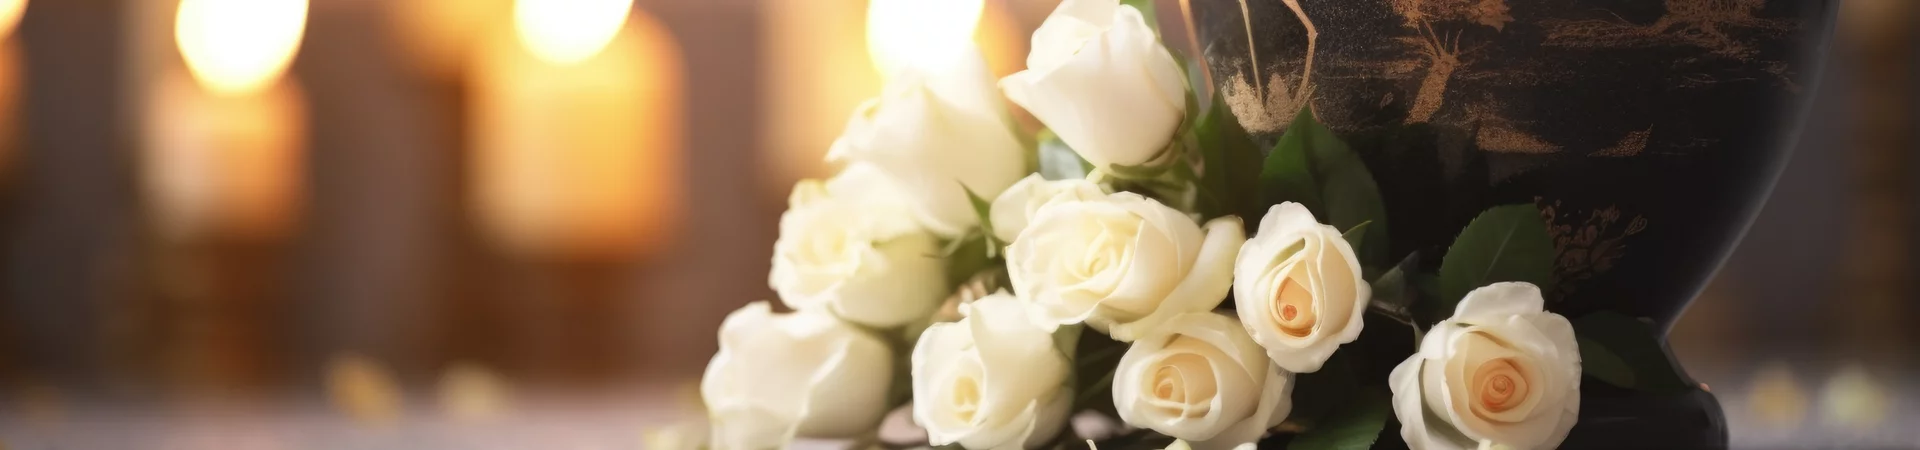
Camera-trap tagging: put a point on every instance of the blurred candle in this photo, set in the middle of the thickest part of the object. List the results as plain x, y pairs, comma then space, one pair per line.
10, 11
928, 35
223, 144
825, 57
439, 36
575, 124
816, 72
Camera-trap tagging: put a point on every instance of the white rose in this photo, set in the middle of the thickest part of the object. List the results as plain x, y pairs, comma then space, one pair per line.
1123, 264
933, 133
1019, 203
1099, 78
1298, 289
992, 380
1203, 380
848, 248
779, 376
1500, 372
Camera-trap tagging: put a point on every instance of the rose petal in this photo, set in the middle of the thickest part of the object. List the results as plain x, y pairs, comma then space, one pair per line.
1276, 403
1293, 247
1203, 288
1234, 364
933, 133
1107, 100
1499, 300
827, 379
1067, 29
1417, 427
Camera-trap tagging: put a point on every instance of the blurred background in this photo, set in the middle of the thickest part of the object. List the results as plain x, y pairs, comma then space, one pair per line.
267, 224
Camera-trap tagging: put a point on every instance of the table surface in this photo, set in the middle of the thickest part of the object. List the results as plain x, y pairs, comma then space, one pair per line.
1758, 418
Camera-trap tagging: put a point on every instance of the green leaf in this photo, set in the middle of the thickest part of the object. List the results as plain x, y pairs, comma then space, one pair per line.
1428, 308
1058, 161
1602, 364
1357, 236
1317, 394
1391, 288
1394, 289
1162, 162
1095, 357
966, 256
1506, 243
983, 210
1230, 164
1312, 166
1353, 426
1287, 176
1427, 284
1628, 353
953, 246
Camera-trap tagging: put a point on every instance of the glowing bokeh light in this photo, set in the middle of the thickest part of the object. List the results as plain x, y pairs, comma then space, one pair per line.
567, 32
239, 46
924, 34
10, 11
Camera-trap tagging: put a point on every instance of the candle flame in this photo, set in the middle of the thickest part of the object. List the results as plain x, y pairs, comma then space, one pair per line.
10, 11
239, 46
923, 34
567, 32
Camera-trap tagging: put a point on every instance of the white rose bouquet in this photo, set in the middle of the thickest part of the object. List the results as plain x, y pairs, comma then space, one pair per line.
1139, 260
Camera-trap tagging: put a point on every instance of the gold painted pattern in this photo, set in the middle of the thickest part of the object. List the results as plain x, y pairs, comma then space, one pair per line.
1588, 248
1629, 146
1443, 39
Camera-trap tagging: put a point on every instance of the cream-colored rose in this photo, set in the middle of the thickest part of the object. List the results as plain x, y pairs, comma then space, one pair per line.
1298, 288
780, 376
1502, 372
993, 380
1020, 202
1099, 78
934, 132
1201, 379
850, 248
1122, 264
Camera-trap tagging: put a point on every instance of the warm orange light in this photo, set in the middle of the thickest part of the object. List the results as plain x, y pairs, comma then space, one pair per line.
10, 11
925, 34
438, 36
567, 32
239, 46
579, 161
223, 166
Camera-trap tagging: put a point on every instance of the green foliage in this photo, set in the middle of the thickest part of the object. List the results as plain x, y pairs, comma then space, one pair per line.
1287, 176
1313, 167
1627, 352
1317, 394
1058, 161
1506, 243
1357, 236
1395, 288
1230, 182
1427, 286
967, 256
1095, 357
1160, 164
983, 211
1355, 425
1602, 364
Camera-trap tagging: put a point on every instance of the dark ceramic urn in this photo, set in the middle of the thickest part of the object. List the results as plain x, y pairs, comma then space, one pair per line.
1647, 131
